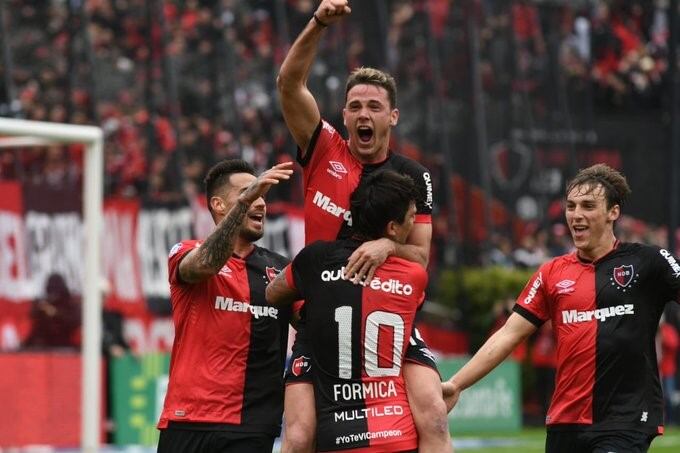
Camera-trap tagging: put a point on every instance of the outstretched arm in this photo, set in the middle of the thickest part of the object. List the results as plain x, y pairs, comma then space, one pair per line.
207, 260
515, 330
299, 107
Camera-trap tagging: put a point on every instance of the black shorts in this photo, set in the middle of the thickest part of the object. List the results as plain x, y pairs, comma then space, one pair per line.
190, 440
623, 441
300, 365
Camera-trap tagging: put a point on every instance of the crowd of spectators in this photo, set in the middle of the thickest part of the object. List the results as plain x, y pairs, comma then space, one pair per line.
178, 85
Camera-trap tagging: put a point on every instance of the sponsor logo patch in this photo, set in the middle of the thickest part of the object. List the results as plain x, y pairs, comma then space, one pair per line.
336, 169
325, 203
600, 314
175, 248
534, 289
675, 267
566, 286
301, 365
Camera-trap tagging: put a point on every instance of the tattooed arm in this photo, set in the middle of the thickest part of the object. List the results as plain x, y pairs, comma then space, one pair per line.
207, 260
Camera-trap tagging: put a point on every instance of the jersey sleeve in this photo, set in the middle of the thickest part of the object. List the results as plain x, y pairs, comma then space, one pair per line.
533, 301
177, 253
669, 271
324, 138
299, 272
423, 180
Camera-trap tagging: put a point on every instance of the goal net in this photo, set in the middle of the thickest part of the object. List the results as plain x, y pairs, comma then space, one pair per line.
22, 133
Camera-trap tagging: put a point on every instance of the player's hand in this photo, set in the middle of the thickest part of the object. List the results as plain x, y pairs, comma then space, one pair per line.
365, 260
261, 185
451, 393
331, 11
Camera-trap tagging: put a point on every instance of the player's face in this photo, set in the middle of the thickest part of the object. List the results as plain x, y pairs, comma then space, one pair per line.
590, 222
404, 229
369, 118
252, 228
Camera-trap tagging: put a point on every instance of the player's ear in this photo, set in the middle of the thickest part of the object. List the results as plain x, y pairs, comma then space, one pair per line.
217, 205
614, 213
392, 230
394, 117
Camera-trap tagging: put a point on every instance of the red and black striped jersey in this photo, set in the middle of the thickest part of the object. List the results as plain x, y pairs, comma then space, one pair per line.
605, 316
358, 337
228, 356
331, 174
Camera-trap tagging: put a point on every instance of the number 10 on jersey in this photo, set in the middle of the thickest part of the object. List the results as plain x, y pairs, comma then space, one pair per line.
376, 319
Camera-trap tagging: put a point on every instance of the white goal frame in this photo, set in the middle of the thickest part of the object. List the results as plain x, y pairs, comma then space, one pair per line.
22, 133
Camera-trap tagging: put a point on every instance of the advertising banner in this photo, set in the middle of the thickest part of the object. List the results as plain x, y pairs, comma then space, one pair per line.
492, 404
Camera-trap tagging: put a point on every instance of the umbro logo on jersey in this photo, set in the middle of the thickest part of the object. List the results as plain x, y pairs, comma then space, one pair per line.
257, 311
601, 314
301, 365
327, 205
623, 276
336, 169
566, 286
225, 271
675, 267
534, 289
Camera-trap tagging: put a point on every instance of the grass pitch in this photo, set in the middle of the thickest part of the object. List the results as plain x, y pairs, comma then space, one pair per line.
532, 440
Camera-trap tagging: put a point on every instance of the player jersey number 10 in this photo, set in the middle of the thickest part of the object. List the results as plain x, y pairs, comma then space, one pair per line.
343, 316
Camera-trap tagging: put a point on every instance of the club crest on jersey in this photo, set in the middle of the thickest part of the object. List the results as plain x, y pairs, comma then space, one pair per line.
271, 272
623, 276
301, 365
336, 169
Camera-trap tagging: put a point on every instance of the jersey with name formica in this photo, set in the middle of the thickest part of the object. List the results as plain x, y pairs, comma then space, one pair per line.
605, 316
331, 174
358, 337
229, 351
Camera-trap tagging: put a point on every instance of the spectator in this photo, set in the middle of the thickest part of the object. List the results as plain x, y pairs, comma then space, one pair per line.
55, 317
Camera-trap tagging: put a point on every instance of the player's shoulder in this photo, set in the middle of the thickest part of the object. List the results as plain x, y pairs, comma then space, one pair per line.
182, 246
407, 267
270, 256
406, 165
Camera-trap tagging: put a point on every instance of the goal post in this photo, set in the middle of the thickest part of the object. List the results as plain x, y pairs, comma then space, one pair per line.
16, 132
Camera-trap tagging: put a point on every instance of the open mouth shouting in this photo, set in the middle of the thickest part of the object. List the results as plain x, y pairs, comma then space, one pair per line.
365, 134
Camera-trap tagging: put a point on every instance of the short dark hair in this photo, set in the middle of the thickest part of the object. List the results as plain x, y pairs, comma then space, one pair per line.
372, 76
616, 190
218, 175
382, 197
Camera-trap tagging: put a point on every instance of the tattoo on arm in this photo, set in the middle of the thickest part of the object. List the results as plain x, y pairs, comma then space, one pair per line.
208, 259
219, 246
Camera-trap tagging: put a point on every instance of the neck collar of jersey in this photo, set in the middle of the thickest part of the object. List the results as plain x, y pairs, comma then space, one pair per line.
587, 261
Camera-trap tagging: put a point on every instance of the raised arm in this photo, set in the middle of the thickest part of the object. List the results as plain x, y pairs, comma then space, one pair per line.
515, 330
207, 260
298, 105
